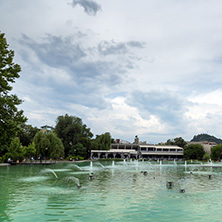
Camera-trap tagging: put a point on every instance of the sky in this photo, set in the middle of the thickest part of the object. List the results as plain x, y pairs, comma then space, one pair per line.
151, 68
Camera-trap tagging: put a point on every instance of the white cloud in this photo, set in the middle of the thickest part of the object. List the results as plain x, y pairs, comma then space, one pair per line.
89, 66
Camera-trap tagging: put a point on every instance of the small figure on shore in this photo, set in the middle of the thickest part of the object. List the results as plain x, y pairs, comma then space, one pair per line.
209, 176
41, 158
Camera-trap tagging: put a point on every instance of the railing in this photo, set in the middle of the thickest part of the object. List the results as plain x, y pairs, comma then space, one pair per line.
163, 151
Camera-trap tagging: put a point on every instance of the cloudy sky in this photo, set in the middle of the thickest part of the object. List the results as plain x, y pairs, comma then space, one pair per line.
151, 68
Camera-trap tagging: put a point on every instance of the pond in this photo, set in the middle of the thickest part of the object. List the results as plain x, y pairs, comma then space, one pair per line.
116, 191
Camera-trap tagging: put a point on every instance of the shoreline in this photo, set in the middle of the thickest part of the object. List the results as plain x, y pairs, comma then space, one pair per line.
38, 163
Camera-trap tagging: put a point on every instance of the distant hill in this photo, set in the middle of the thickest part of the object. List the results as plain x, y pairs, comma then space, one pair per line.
206, 137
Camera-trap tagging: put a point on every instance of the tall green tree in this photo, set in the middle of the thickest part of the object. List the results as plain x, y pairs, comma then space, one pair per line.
26, 134
48, 145
16, 150
30, 150
10, 116
78, 150
41, 144
216, 152
72, 131
194, 151
102, 142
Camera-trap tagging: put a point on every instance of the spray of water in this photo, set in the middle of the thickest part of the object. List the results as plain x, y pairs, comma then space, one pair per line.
76, 180
78, 167
101, 165
51, 171
91, 165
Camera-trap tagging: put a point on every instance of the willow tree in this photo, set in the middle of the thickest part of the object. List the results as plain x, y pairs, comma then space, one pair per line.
10, 116
48, 145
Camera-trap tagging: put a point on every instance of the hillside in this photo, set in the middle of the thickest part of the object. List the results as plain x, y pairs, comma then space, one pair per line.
206, 137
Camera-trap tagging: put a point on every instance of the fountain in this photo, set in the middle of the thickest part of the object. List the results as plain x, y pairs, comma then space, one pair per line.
61, 199
51, 171
91, 165
76, 180
78, 167
101, 165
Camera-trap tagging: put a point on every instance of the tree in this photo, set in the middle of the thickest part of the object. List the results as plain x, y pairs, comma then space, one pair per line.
194, 151
102, 142
10, 116
26, 134
178, 141
15, 150
56, 148
41, 143
78, 150
216, 152
30, 150
206, 156
48, 145
72, 131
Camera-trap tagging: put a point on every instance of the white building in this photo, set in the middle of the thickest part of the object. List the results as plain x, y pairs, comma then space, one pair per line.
137, 150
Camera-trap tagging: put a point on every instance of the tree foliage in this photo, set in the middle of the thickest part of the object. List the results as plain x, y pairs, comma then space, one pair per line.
178, 141
194, 151
15, 150
72, 131
30, 150
216, 152
102, 142
26, 134
10, 116
48, 145
206, 156
78, 150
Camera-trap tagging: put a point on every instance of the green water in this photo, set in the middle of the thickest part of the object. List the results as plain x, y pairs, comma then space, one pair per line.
117, 193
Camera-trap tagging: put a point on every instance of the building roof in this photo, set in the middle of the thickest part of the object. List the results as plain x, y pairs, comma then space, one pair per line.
162, 146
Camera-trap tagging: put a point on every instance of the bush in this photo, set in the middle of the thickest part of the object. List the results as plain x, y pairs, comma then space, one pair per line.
206, 156
74, 157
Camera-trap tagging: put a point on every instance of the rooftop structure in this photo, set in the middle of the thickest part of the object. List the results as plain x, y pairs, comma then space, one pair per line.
46, 129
